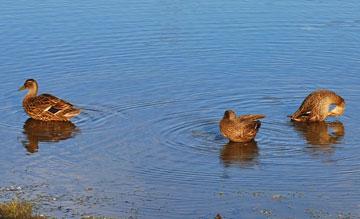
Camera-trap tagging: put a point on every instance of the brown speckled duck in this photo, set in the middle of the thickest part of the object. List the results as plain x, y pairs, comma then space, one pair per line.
240, 129
46, 107
316, 107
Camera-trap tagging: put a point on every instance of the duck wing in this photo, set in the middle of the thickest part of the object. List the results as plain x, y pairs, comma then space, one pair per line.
50, 103
249, 130
49, 107
251, 117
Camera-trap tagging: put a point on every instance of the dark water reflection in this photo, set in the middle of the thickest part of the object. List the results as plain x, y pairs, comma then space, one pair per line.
242, 154
321, 136
39, 131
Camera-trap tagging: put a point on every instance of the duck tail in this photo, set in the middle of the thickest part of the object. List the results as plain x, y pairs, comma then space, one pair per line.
296, 114
257, 125
71, 113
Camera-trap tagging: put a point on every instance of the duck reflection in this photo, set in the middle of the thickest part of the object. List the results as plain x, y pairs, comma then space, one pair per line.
321, 135
242, 154
40, 131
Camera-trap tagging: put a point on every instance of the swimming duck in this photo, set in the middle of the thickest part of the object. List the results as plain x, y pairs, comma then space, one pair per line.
317, 105
240, 129
46, 107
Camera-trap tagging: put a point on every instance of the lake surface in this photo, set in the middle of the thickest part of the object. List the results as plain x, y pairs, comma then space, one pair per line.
153, 79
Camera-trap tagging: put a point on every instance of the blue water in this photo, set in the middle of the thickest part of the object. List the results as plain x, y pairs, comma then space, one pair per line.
153, 79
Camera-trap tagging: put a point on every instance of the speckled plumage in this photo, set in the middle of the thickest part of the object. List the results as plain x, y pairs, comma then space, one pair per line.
240, 129
46, 107
316, 106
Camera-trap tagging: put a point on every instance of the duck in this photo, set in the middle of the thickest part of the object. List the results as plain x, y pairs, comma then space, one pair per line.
46, 107
240, 128
316, 107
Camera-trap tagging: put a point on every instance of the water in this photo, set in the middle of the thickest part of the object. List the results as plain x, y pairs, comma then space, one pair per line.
153, 79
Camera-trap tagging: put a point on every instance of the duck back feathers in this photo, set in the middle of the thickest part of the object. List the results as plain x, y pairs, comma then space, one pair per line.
242, 128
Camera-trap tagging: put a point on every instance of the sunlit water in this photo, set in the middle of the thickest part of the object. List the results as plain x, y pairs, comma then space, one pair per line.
153, 79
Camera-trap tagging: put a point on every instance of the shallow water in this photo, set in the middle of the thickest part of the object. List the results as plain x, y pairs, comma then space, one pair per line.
153, 79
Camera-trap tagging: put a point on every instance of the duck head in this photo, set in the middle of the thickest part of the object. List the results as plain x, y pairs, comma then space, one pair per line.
31, 85
229, 114
338, 110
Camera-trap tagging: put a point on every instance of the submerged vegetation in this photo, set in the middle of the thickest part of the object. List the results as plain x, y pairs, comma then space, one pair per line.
18, 210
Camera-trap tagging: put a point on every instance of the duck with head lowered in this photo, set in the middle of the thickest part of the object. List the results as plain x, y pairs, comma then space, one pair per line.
240, 128
46, 107
317, 107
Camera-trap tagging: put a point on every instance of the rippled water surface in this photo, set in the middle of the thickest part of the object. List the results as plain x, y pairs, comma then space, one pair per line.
153, 79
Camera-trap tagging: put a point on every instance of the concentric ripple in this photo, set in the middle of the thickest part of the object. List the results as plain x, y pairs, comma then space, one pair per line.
191, 133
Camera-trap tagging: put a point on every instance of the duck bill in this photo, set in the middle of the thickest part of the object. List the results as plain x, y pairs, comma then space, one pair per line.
21, 88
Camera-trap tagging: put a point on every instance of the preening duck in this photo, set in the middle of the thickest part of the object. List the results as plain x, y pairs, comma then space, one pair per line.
317, 107
240, 128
